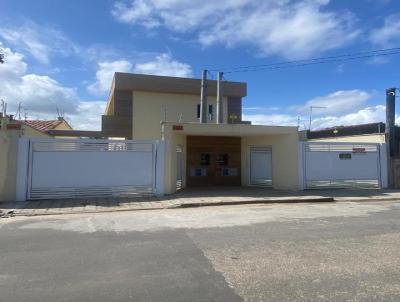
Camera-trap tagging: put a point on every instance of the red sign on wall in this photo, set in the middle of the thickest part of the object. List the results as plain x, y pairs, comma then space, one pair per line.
177, 127
359, 150
13, 126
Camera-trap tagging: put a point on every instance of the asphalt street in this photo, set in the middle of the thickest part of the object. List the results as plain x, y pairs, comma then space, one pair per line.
345, 251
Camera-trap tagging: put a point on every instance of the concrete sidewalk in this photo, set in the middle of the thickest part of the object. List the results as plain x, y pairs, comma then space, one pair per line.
191, 198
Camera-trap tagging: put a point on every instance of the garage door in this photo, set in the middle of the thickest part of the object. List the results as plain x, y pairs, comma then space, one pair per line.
89, 168
342, 165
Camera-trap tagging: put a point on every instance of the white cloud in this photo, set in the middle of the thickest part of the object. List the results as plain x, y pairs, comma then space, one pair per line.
271, 119
335, 103
342, 108
363, 116
293, 29
88, 115
105, 74
36, 91
40, 42
41, 95
162, 64
389, 34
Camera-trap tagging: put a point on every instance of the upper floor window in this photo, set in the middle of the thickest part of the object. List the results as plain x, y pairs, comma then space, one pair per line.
210, 111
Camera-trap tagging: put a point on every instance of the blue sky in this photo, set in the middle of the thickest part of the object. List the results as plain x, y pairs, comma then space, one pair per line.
62, 54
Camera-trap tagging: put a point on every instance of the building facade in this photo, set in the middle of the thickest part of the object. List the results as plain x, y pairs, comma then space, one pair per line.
231, 153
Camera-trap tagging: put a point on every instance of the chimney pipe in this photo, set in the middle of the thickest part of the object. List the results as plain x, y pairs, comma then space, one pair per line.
220, 117
203, 100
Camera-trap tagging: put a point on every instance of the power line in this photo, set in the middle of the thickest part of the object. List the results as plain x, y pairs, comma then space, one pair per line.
376, 52
314, 61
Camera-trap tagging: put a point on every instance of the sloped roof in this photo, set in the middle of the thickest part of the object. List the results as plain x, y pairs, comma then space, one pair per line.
43, 126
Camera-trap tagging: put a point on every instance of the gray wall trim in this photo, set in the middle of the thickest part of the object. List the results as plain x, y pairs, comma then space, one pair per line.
162, 84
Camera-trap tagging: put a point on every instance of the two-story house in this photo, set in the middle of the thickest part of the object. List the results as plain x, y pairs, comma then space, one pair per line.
233, 152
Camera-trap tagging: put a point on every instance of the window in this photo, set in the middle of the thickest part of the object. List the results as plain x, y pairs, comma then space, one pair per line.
222, 159
205, 159
210, 112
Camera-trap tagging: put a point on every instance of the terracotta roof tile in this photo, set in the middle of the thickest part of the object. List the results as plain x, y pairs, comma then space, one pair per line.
43, 126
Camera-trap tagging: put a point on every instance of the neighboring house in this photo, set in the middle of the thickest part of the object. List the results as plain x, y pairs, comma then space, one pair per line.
34, 128
10, 132
45, 126
363, 133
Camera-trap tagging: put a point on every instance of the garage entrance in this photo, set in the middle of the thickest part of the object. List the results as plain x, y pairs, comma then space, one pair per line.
340, 165
69, 168
213, 160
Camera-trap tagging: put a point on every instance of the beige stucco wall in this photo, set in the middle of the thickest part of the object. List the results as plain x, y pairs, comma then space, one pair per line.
63, 126
149, 110
8, 163
171, 162
283, 140
367, 138
31, 133
284, 159
8, 156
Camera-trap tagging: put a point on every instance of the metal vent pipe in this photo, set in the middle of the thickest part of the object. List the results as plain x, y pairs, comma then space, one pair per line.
220, 115
203, 98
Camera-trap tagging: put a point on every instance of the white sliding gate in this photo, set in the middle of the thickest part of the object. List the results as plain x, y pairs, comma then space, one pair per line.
360, 165
75, 168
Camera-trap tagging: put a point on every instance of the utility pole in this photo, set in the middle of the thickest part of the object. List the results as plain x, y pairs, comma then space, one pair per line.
220, 115
203, 100
390, 132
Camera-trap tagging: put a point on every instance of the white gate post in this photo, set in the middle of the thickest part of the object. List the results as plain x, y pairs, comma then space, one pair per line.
383, 166
301, 167
159, 186
21, 188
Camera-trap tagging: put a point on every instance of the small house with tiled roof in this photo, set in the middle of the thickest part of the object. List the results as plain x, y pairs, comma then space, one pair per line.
35, 128
44, 126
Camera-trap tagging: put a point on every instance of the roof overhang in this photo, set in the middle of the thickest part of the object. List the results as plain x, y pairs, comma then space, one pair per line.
241, 130
163, 84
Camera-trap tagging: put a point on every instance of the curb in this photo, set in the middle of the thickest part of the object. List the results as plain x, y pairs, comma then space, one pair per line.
342, 199
4, 214
260, 201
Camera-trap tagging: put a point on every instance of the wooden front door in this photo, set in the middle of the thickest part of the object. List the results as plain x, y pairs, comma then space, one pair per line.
213, 160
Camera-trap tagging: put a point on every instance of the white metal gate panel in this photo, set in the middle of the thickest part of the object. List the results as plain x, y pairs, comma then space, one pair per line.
261, 166
88, 168
342, 165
